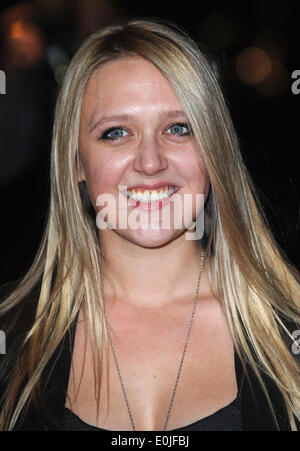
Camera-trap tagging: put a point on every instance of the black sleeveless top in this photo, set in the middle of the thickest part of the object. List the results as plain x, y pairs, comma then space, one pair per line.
226, 419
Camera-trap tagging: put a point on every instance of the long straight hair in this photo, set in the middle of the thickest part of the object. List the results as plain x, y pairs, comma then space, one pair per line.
249, 273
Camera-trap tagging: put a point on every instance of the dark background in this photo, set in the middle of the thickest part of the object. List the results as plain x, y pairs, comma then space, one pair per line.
257, 49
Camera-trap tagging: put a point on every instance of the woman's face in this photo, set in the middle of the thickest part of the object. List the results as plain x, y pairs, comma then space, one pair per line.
134, 134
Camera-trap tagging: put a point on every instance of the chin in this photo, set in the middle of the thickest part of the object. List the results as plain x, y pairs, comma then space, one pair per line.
152, 238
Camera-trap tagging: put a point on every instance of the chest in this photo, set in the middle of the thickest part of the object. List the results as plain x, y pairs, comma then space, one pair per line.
148, 356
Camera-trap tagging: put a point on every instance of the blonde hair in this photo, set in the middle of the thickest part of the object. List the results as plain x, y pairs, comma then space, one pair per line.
249, 273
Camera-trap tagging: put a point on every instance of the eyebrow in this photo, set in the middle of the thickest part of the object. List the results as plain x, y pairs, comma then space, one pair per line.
126, 117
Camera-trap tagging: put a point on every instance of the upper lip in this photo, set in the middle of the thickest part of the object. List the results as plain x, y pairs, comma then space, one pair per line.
151, 187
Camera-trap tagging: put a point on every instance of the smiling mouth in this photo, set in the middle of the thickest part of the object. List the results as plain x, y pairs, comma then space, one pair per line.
144, 195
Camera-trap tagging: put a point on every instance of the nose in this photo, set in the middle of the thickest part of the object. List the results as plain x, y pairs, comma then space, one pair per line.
150, 157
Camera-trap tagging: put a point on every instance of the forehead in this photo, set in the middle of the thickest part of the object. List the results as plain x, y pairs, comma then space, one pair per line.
130, 80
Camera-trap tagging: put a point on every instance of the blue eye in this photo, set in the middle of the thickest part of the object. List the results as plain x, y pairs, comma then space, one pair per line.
114, 133
179, 129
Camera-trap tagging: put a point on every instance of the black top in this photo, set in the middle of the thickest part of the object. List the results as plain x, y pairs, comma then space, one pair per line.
226, 419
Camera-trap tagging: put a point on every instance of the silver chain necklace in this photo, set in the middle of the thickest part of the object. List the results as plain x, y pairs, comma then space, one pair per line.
182, 358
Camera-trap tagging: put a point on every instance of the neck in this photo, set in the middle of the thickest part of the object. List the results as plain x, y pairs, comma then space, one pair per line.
149, 277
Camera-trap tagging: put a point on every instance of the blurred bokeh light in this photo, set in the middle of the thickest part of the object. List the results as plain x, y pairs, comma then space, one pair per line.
263, 68
26, 44
276, 83
253, 65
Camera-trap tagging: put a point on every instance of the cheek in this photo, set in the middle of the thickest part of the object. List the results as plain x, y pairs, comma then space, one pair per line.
193, 170
103, 175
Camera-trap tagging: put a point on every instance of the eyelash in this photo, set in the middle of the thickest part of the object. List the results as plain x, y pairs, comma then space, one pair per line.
105, 134
182, 124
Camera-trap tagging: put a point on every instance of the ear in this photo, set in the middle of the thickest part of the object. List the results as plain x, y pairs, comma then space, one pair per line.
80, 170
80, 177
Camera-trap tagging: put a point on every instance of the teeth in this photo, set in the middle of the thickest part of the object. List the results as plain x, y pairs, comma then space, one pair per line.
150, 196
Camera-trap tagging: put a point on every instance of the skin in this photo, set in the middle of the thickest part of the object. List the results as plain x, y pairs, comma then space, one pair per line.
149, 277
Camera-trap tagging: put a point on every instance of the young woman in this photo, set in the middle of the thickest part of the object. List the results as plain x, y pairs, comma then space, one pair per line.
123, 323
